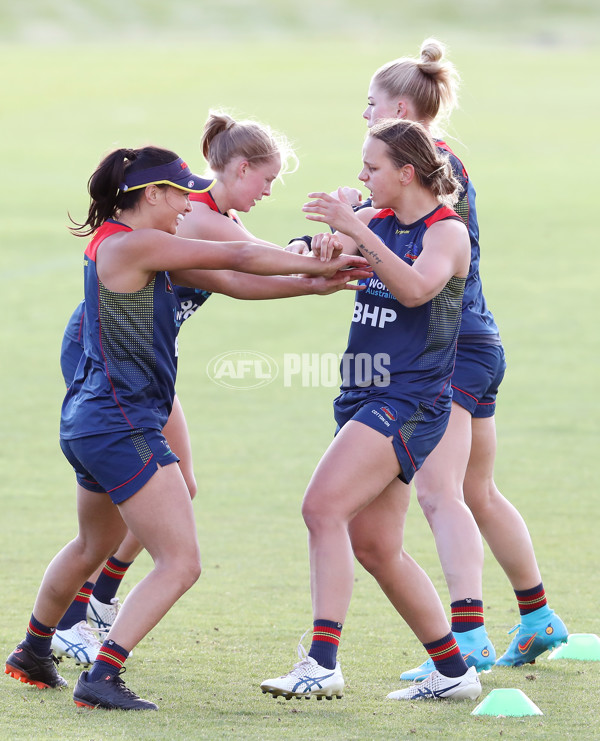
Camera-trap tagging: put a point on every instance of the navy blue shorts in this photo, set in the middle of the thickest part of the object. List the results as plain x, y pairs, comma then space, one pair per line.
118, 463
478, 373
415, 428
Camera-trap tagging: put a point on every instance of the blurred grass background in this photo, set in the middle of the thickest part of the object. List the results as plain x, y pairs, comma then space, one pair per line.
79, 78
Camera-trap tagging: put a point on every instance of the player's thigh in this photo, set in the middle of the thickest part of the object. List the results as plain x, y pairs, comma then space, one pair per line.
101, 527
444, 468
358, 465
177, 434
378, 529
161, 517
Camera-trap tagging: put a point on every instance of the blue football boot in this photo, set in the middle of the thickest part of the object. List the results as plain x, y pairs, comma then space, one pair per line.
536, 634
477, 651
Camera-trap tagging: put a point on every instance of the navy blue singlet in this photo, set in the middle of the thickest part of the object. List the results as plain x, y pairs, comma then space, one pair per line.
395, 350
478, 325
126, 379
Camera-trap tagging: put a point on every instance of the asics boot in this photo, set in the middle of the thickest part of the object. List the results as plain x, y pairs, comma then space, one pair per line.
23, 664
100, 615
307, 679
78, 642
477, 651
533, 638
438, 687
109, 693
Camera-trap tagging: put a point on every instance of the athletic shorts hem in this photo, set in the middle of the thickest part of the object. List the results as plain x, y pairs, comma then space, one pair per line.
414, 427
478, 373
118, 464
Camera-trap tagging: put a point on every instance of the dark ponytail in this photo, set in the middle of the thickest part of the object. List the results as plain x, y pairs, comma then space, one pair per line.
106, 198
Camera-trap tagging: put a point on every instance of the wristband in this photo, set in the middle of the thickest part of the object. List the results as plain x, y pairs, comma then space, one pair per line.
363, 204
306, 239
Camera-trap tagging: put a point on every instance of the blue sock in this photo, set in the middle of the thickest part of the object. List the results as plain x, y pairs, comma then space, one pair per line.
530, 600
446, 656
109, 661
109, 579
39, 637
467, 614
78, 608
325, 642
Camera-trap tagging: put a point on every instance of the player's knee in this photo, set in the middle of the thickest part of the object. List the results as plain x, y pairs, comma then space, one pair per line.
311, 514
373, 553
313, 508
435, 501
195, 572
322, 511
428, 501
91, 553
366, 556
480, 497
182, 566
189, 571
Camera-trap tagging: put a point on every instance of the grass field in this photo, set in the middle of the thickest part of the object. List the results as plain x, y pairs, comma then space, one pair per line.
526, 128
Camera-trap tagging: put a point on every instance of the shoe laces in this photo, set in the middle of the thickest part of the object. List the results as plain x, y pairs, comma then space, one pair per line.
87, 633
302, 652
115, 604
123, 688
305, 662
428, 680
522, 628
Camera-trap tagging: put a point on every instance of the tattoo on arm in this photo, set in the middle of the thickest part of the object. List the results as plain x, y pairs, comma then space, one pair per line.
374, 255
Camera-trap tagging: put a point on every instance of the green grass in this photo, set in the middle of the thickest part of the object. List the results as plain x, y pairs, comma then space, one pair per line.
546, 22
528, 117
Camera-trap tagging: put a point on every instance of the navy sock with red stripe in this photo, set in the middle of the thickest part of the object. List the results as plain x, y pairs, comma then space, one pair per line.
325, 642
39, 637
78, 608
530, 600
446, 656
467, 614
109, 661
110, 579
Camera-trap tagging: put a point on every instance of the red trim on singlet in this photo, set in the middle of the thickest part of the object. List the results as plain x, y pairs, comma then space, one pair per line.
208, 200
442, 145
105, 230
443, 213
205, 198
384, 213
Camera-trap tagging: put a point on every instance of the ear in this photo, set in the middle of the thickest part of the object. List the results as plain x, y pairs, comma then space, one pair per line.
243, 168
151, 193
401, 109
407, 174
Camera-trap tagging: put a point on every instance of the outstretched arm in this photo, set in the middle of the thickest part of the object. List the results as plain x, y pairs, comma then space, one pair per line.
127, 261
256, 287
446, 250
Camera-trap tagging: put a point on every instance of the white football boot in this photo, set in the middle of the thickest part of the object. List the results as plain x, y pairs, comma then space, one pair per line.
438, 687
